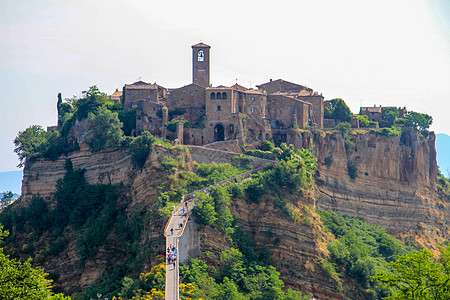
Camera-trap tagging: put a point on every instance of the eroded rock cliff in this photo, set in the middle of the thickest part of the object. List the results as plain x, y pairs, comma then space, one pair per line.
393, 184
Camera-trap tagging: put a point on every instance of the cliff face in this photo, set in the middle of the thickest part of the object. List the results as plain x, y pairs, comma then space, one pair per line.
107, 167
394, 184
393, 188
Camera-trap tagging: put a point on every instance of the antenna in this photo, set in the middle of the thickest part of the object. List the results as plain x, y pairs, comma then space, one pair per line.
236, 80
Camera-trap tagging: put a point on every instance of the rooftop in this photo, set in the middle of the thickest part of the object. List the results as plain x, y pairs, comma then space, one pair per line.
201, 45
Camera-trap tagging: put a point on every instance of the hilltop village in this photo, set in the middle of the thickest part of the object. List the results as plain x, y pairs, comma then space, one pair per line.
106, 197
203, 114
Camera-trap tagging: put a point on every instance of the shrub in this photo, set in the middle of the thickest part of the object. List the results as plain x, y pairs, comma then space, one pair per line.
388, 131
343, 127
363, 121
352, 169
140, 148
172, 125
328, 161
241, 161
204, 211
106, 129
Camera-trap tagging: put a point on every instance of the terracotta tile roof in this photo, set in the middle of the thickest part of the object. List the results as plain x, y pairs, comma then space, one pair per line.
290, 97
220, 87
238, 87
185, 86
141, 85
201, 45
252, 91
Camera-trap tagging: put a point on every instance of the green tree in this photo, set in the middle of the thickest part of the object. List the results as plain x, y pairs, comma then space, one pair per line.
363, 121
344, 127
340, 110
30, 144
389, 115
91, 100
229, 290
420, 121
140, 148
6, 199
21, 281
105, 129
232, 265
419, 276
204, 211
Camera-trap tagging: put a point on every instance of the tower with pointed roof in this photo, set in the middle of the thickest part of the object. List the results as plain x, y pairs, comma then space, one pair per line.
200, 64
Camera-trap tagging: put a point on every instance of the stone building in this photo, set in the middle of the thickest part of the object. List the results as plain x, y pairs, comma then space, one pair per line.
222, 113
116, 96
140, 92
375, 113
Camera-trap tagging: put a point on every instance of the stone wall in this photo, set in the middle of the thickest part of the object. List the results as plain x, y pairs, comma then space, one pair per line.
213, 156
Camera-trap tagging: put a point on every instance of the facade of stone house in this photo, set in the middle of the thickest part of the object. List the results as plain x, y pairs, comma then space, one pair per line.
116, 96
223, 113
140, 92
373, 113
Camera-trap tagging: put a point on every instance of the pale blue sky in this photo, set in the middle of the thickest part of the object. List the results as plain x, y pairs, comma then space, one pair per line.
388, 52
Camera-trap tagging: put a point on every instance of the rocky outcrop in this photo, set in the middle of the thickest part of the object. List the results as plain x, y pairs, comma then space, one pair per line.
295, 247
106, 167
394, 179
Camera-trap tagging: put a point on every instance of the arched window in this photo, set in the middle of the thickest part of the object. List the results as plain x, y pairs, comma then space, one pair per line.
219, 96
224, 96
213, 96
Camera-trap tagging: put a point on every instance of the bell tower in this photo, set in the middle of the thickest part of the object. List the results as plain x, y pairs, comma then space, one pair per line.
200, 64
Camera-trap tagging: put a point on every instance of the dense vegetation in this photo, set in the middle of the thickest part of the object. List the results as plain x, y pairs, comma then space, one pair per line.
94, 216
391, 123
19, 280
361, 251
419, 275
106, 119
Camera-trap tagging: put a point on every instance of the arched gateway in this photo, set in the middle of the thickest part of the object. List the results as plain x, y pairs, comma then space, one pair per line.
219, 133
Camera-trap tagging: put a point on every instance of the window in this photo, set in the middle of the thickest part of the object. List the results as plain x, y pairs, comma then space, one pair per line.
200, 56
219, 96
191, 94
213, 96
253, 110
151, 92
253, 98
224, 96
240, 108
219, 108
240, 96
231, 128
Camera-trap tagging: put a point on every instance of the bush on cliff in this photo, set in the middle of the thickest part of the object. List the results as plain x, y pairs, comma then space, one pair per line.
105, 129
360, 249
140, 147
31, 143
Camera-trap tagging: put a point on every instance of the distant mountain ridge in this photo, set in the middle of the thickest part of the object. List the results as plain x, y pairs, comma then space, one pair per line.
443, 153
11, 181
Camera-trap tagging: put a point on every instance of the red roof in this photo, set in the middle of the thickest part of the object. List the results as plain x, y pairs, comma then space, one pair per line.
201, 45
238, 87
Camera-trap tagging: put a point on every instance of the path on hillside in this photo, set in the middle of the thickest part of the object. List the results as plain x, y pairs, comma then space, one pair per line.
173, 232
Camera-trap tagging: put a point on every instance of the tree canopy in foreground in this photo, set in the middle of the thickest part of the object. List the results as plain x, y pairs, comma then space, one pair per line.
21, 281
